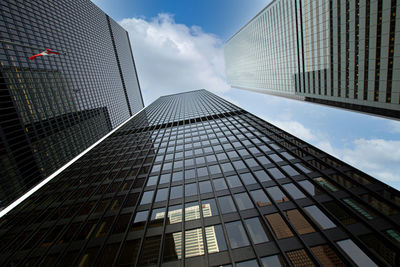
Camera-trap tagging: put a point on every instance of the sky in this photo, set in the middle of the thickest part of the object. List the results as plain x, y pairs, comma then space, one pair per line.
178, 46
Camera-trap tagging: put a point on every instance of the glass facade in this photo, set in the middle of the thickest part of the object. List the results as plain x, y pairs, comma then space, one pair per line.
54, 107
166, 189
336, 52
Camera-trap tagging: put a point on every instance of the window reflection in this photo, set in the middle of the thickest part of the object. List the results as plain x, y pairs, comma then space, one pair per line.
194, 243
236, 234
243, 201
327, 256
293, 191
192, 211
272, 261
299, 258
256, 230
319, 217
326, 184
355, 253
299, 222
341, 214
140, 220
279, 226
176, 192
360, 208
150, 251
172, 247
174, 214
205, 187
215, 239
226, 204
209, 207
277, 195
247, 178
147, 197
234, 181
262, 176
260, 198
157, 217
220, 184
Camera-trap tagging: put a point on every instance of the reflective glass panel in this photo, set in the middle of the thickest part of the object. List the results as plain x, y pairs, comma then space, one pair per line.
319, 217
260, 198
243, 201
236, 234
226, 204
209, 207
220, 184
215, 239
194, 245
256, 230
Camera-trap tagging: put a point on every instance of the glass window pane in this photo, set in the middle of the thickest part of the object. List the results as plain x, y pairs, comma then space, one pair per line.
355, 253
205, 187
165, 178
277, 174
190, 189
278, 225
209, 207
227, 167
162, 194
247, 178
192, 211
289, 170
310, 188
177, 176
202, 172
152, 180
226, 204
360, 208
293, 191
176, 192
319, 217
151, 247
174, 214
243, 201
260, 198
249, 263
327, 256
256, 230
129, 253
272, 261
172, 247
147, 197
299, 222
157, 217
236, 234
233, 181
189, 174
262, 176
214, 169
220, 184
303, 168
299, 258
194, 243
276, 194
215, 239
380, 205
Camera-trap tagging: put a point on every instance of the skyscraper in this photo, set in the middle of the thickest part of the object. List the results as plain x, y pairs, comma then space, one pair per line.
54, 107
194, 180
338, 53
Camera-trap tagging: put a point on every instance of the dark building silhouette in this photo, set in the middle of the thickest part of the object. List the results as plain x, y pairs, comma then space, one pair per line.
54, 107
195, 180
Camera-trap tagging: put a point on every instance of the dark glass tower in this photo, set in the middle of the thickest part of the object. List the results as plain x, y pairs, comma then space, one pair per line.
54, 107
193, 180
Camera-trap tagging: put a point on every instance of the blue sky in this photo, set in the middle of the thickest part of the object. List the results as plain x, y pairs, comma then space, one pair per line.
178, 46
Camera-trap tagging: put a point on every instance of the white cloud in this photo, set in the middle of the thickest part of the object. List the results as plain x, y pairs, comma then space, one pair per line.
394, 126
172, 58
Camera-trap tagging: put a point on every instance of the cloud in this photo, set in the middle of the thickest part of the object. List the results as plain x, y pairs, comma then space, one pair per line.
394, 126
172, 58
295, 128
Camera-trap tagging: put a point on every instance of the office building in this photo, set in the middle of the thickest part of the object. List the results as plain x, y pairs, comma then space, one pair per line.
54, 107
339, 53
193, 180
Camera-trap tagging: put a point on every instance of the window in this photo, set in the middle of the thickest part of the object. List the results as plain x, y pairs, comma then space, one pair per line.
215, 239
162, 194
289, 170
165, 178
129, 253
277, 174
140, 220
147, 197
298, 221
152, 180
174, 214
205, 187
272, 261
243, 201
176, 192
276, 194
279, 226
226, 204
319, 217
151, 247
355, 253
190, 189
262, 176
260, 198
157, 217
172, 247
310, 188
209, 207
299, 258
193, 243
249, 263
177, 176
293, 191
236, 234
327, 256
247, 178
326, 184
233, 181
342, 215
256, 230
220, 184
192, 211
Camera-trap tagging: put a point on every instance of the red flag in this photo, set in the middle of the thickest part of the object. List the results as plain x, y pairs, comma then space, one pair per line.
44, 53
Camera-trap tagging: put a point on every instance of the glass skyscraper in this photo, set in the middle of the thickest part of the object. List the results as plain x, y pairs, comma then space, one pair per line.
193, 180
54, 107
339, 53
